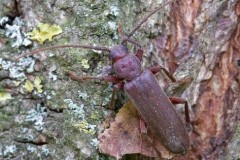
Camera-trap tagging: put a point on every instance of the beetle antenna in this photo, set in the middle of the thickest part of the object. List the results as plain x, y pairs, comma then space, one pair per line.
124, 38
146, 18
127, 38
63, 46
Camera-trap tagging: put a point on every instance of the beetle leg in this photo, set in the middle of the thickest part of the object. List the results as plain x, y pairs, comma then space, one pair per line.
112, 102
116, 87
118, 84
139, 54
112, 79
177, 100
156, 69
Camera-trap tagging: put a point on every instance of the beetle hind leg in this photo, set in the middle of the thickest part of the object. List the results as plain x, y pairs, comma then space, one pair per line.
177, 100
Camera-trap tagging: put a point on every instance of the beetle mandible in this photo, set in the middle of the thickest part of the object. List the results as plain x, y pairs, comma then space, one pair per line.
154, 106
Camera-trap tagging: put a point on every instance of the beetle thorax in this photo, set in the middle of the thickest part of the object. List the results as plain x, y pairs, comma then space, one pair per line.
127, 67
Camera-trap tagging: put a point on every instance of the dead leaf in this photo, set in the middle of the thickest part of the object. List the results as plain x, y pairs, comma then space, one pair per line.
124, 137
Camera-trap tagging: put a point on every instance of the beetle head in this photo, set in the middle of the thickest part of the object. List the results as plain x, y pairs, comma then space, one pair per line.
118, 52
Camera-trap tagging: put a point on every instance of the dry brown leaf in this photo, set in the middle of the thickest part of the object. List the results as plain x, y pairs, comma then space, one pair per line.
124, 137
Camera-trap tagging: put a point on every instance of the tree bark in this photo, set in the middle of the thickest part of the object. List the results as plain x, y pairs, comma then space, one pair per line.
197, 41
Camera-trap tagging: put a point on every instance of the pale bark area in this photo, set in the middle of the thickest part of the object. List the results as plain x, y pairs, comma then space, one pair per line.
195, 40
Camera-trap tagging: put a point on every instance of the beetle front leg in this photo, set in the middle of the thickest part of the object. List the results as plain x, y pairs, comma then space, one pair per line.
112, 79
118, 84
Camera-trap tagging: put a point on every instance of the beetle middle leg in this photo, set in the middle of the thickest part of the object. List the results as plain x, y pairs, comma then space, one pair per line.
116, 87
156, 69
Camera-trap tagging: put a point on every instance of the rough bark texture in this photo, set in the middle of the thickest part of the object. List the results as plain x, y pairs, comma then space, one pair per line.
197, 41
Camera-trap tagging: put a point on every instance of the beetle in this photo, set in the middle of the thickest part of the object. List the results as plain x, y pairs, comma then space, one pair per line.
154, 106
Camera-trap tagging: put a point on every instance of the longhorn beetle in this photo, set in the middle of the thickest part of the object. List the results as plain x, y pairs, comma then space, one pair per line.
153, 105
